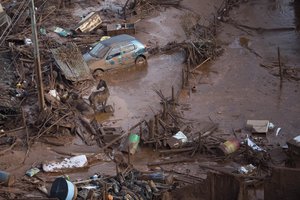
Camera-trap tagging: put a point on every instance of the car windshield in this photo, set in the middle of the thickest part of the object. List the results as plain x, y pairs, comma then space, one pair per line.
99, 51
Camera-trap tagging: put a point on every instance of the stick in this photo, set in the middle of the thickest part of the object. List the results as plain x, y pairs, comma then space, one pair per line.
170, 162
176, 150
279, 63
133, 127
205, 61
38, 136
115, 140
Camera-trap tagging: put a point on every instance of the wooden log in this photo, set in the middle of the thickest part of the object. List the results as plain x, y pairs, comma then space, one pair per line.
279, 63
176, 150
151, 129
166, 162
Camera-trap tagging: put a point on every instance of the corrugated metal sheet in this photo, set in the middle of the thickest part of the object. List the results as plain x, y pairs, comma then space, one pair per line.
89, 23
70, 61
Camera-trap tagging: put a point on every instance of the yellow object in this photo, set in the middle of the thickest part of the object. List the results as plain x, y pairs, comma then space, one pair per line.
110, 197
104, 38
19, 85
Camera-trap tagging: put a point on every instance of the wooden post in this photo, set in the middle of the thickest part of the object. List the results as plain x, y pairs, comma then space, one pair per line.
164, 110
156, 124
141, 131
173, 95
151, 129
37, 59
279, 63
200, 143
188, 73
183, 79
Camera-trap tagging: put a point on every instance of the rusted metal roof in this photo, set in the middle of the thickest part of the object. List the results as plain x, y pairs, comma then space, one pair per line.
70, 61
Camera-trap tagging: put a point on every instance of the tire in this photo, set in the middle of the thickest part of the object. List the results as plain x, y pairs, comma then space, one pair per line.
140, 61
98, 72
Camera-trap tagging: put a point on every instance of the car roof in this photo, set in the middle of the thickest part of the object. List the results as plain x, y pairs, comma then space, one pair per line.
117, 39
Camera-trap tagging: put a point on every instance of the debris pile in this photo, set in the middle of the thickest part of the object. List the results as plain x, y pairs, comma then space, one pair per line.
131, 185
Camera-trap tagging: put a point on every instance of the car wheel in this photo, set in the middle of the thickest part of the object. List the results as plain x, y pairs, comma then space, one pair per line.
98, 72
140, 61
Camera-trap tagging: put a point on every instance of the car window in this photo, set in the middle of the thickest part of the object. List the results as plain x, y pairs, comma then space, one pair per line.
99, 51
128, 48
116, 51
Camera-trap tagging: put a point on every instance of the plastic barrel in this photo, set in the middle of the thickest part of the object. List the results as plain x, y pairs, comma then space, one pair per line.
6, 178
63, 189
230, 146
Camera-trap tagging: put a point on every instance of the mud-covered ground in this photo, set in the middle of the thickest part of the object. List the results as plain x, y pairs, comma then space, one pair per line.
229, 90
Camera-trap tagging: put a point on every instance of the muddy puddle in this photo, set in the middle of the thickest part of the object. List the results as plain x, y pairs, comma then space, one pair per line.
132, 90
242, 89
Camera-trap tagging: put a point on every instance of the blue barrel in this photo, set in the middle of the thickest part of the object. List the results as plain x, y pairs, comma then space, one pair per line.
6, 178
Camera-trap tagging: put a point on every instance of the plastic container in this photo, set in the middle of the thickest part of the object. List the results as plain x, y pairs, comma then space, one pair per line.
230, 146
134, 140
63, 189
6, 179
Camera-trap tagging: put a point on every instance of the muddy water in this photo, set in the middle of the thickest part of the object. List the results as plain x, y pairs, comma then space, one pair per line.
241, 89
132, 90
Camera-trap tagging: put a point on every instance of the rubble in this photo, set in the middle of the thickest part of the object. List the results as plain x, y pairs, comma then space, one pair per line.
227, 163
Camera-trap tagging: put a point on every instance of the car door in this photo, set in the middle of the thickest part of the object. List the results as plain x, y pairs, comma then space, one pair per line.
114, 58
127, 54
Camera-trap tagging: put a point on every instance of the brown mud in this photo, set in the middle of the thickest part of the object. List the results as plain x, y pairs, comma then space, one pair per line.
229, 90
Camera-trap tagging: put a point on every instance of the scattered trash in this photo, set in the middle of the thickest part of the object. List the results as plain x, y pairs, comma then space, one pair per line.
177, 140
271, 126
28, 41
104, 38
6, 179
230, 146
67, 163
54, 94
134, 140
62, 32
33, 171
258, 126
294, 145
156, 176
118, 29
43, 31
252, 145
63, 189
277, 131
246, 169
89, 23
133, 185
